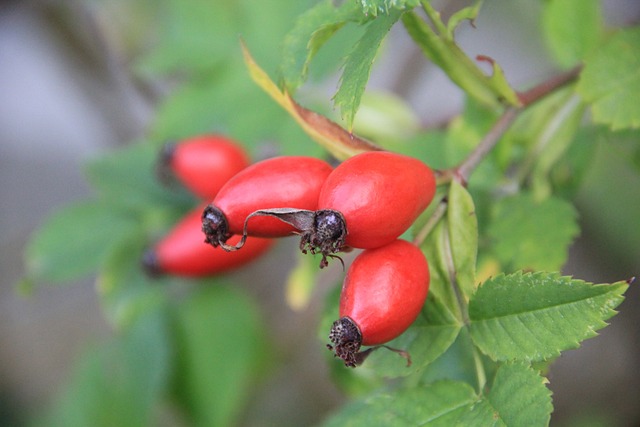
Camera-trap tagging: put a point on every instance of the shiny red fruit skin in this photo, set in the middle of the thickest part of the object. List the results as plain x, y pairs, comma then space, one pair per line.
380, 195
205, 163
279, 182
182, 252
384, 290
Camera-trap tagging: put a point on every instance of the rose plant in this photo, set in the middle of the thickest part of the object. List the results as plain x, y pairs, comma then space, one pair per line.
452, 238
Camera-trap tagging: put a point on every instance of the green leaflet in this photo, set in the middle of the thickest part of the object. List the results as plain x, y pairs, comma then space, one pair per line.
427, 339
572, 29
520, 397
439, 404
74, 241
463, 237
531, 234
310, 32
535, 316
610, 81
357, 67
385, 7
451, 249
517, 397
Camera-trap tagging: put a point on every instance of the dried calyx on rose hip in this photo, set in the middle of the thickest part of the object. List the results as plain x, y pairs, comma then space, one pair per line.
346, 339
202, 164
292, 181
321, 232
382, 295
368, 201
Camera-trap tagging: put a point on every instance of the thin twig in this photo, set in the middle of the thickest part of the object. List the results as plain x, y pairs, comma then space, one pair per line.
437, 214
527, 98
464, 169
548, 86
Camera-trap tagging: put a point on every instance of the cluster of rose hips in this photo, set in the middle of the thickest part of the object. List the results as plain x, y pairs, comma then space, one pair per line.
366, 202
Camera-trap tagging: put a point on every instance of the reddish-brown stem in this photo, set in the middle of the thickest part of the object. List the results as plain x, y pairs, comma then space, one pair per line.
548, 86
464, 169
437, 214
462, 172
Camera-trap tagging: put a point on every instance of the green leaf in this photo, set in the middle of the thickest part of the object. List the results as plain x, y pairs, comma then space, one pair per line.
220, 346
463, 237
436, 250
119, 383
480, 414
310, 32
451, 247
439, 46
530, 234
519, 396
357, 67
427, 339
385, 7
438, 404
610, 81
535, 316
572, 29
74, 241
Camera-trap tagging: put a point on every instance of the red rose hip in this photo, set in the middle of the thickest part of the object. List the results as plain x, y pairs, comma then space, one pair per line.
382, 295
280, 182
379, 195
203, 164
183, 253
